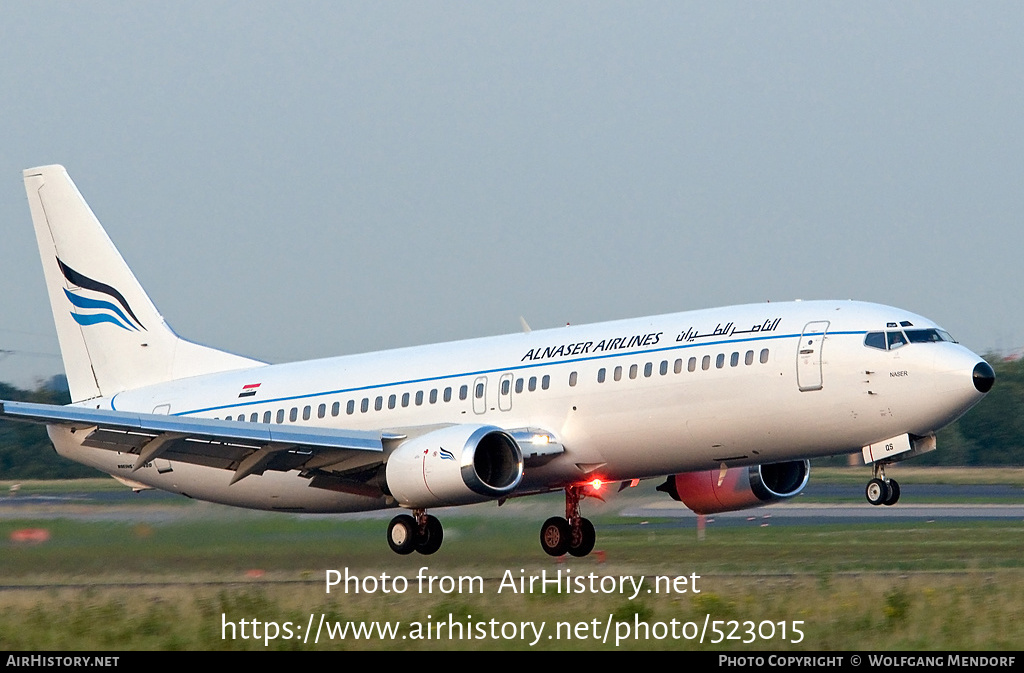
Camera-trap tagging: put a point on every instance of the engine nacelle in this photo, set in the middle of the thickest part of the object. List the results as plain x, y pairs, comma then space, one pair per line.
458, 465
739, 487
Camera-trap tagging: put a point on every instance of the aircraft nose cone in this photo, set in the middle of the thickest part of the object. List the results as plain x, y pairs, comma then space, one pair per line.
984, 377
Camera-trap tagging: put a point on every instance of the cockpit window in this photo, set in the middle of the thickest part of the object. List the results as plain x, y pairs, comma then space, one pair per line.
875, 340
895, 339
921, 336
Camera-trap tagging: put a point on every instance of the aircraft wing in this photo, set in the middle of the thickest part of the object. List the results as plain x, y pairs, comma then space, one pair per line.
245, 448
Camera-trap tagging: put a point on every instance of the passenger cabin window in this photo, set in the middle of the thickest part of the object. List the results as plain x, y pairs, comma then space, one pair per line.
764, 356
267, 416
600, 375
464, 391
572, 380
545, 382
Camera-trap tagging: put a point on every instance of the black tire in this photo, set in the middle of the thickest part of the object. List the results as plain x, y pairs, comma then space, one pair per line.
894, 493
877, 492
555, 536
402, 534
431, 541
583, 543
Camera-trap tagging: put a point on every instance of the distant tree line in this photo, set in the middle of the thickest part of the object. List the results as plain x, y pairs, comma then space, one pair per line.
990, 434
25, 449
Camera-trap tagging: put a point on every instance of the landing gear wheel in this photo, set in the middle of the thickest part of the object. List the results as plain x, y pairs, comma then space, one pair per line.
582, 542
877, 492
894, 492
402, 534
432, 538
555, 536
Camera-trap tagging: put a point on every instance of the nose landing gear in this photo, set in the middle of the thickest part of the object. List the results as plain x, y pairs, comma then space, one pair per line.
573, 534
881, 490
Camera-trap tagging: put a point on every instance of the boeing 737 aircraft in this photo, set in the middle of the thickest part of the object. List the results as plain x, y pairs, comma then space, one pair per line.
726, 405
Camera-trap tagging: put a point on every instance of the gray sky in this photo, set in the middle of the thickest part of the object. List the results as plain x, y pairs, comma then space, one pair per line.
297, 180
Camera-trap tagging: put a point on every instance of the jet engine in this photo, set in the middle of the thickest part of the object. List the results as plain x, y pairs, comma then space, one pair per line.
735, 488
456, 465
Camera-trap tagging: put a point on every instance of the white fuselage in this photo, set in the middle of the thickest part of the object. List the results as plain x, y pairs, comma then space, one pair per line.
628, 399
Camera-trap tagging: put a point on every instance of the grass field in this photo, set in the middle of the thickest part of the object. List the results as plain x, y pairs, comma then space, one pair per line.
111, 578
139, 586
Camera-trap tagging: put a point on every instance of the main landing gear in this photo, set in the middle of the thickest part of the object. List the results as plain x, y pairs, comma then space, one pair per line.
420, 532
573, 534
881, 490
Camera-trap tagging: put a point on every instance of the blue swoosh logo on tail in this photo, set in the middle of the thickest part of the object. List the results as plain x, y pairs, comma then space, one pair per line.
112, 314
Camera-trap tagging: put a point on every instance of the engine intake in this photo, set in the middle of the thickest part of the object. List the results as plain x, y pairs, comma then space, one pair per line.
739, 487
458, 465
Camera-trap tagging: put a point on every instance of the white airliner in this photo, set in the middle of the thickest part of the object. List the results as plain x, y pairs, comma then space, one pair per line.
729, 403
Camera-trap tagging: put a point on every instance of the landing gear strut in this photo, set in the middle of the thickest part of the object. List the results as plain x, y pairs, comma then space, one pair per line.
573, 534
881, 490
421, 532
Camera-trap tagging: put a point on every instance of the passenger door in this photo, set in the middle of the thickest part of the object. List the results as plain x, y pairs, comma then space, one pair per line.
480, 395
808, 355
505, 392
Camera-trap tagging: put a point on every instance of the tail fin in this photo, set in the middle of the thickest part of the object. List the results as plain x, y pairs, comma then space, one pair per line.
112, 337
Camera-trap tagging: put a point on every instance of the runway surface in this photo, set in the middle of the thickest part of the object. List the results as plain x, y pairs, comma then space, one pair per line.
819, 504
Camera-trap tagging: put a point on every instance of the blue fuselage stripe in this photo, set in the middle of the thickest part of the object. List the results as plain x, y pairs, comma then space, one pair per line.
503, 370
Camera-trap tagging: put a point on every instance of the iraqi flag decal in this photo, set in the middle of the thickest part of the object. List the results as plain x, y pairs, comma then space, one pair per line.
249, 390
